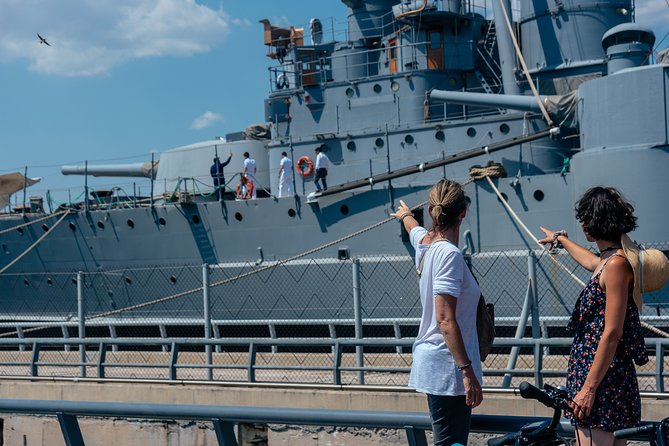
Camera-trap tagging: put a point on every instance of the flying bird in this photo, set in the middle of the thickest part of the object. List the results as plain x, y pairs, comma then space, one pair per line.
43, 40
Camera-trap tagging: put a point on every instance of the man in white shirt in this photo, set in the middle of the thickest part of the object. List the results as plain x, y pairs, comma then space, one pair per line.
250, 171
322, 164
285, 176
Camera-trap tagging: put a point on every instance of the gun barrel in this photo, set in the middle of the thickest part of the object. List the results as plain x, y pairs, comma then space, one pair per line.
515, 102
113, 170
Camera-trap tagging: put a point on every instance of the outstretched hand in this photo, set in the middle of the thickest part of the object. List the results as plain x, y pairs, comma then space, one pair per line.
401, 211
548, 236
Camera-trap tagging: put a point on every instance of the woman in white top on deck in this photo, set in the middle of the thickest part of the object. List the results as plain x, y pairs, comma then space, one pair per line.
446, 364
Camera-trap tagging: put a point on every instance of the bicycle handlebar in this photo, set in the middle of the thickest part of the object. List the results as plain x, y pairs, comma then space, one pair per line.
645, 430
529, 392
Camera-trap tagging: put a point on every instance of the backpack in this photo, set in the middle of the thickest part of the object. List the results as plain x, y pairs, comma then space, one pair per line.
485, 315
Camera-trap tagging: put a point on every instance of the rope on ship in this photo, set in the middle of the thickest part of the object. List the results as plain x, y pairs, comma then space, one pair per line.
32, 222
37, 242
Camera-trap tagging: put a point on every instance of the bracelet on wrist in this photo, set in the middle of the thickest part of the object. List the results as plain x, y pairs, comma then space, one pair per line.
408, 214
555, 243
464, 366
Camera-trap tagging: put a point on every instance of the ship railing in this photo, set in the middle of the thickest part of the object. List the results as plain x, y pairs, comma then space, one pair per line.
224, 418
296, 360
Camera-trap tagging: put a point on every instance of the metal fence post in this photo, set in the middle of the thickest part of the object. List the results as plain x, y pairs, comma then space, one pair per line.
659, 367
207, 320
532, 272
357, 314
82, 323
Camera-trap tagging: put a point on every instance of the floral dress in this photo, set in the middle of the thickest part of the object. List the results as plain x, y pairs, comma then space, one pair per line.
617, 403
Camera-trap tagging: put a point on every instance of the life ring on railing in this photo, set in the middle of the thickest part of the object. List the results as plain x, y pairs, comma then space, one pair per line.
244, 190
305, 160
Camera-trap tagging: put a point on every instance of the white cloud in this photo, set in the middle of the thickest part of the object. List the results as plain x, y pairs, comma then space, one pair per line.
91, 37
205, 120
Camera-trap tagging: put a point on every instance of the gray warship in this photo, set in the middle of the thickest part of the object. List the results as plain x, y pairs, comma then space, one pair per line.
565, 96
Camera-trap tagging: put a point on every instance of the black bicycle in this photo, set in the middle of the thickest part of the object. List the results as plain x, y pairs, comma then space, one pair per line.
541, 433
657, 434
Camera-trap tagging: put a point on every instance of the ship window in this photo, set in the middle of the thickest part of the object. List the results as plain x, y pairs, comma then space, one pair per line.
395, 86
350, 92
238, 216
408, 139
162, 221
350, 145
439, 135
101, 225
20, 230
131, 223
291, 212
343, 209
379, 142
45, 227
73, 226
196, 220
538, 195
471, 132
49, 281
504, 128
128, 281
377, 88
173, 280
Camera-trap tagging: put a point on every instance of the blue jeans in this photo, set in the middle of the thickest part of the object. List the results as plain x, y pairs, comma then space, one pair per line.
320, 175
450, 419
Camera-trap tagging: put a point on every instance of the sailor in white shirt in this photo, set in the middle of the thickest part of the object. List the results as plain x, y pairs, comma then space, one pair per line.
250, 171
322, 164
285, 176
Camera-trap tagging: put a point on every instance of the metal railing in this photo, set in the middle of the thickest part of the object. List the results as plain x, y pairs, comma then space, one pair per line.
224, 418
316, 361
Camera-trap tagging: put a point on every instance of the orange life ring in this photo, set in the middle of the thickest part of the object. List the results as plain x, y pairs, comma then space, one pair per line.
240, 191
310, 166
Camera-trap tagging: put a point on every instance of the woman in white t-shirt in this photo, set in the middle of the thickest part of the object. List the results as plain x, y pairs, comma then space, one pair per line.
446, 364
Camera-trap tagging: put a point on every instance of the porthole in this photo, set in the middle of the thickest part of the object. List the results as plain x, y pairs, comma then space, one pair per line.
45, 227
395, 86
72, 226
471, 132
162, 221
131, 223
195, 219
101, 225
504, 128
26, 283
49, 281
504, 197
538, 195
350, 145
128, 281
291, 212
20, 230
238, 216
379, 142
408, 139
350, 92
343, 209
173, 280
377, 88
439, 135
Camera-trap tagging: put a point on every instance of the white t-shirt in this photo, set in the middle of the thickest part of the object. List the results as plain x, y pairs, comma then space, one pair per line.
250, 166
287, 166
434, 370
322, 161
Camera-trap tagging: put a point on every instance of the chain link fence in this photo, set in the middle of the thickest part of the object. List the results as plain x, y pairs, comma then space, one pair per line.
141, 315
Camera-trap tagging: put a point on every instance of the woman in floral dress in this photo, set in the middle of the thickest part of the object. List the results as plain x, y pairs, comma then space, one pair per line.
601, 378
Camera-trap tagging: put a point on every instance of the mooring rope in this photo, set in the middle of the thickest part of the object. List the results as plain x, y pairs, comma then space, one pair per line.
32, 222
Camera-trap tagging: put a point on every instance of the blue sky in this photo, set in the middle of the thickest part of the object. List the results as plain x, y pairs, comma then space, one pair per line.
124, 78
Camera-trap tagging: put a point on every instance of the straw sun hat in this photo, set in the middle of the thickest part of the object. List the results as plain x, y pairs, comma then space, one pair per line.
651, 268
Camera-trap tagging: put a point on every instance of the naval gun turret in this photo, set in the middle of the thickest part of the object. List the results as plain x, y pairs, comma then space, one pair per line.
141, 170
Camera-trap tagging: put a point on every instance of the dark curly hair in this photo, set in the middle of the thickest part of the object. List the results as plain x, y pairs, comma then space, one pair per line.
604, 214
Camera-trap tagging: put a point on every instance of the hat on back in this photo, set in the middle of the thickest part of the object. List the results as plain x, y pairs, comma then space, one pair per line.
651, 268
